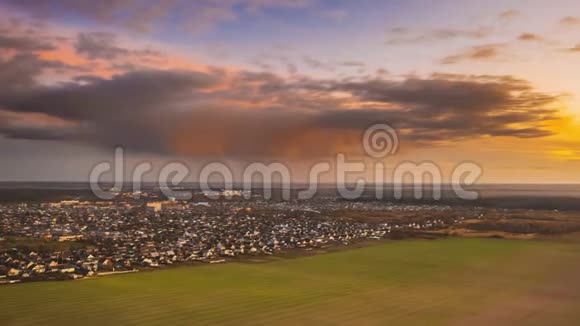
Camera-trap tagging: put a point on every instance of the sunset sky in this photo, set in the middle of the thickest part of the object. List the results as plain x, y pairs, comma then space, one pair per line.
293, 81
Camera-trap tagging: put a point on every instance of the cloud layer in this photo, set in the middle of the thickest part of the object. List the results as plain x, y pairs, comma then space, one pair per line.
245, 114
142, 16
101, 89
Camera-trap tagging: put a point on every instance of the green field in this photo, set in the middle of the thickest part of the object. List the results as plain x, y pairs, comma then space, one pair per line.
440, 282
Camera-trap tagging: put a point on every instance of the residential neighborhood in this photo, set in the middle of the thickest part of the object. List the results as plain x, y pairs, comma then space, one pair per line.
73, 239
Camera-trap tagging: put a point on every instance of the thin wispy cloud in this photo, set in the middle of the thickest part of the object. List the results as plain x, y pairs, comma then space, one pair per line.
477, 53
401, 35
530, 37
570, 21
509, 15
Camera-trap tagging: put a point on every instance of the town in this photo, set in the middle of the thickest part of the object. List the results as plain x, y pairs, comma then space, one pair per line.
73, 239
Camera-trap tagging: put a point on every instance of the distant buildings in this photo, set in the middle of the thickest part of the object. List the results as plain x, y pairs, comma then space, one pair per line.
78, 239
155, 206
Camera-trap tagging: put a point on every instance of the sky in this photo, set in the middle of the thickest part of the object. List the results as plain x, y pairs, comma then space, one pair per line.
293, 81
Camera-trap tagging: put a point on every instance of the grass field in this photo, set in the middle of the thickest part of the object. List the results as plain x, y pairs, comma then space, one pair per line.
440, 282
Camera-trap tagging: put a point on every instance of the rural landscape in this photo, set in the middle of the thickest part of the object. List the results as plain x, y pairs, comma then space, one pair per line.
289, 162
436, 282
322, 261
